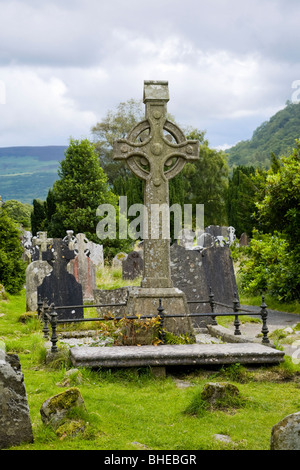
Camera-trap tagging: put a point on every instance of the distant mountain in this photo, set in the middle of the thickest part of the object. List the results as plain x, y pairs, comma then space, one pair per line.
276, 135
27, 173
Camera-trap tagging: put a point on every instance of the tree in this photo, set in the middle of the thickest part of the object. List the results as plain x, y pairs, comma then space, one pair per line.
274, 256
206, 181
81, 189
241, 200
116, 125
280, 207
19, 212
38, 217
12, 267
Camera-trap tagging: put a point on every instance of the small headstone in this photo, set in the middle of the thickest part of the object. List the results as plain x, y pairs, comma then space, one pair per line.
37, 270
132, 266
285, 435
186, 238
112, 298
61, 287
35, 274
205, 240
231, 235
244, 240
15, 424
40, 243
96, 254
118, 260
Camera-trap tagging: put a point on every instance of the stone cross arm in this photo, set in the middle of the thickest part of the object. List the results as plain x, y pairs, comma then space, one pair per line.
156, 148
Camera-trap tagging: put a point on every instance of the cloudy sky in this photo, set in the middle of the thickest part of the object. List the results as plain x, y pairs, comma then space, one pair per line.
230, 64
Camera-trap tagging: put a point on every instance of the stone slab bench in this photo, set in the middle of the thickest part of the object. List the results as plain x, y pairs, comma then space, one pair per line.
174, 355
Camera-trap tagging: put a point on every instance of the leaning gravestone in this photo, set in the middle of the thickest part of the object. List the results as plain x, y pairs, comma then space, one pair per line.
82, 267
36, 271
195, 272
132, 266
61, 287
15, 424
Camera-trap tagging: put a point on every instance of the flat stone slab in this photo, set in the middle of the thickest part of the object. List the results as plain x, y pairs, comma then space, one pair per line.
174, 355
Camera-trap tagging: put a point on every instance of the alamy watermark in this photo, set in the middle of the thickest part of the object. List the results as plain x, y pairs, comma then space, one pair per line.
148, 222
2, 92
296, 93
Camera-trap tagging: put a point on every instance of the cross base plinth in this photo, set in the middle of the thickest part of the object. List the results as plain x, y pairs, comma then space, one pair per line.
145, 301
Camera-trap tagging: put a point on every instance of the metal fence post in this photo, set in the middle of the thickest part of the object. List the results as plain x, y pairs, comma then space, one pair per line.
236, 306
161, 313
264, 316
53, 322
212, 306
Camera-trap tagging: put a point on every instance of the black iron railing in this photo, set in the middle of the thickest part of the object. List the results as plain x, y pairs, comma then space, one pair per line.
48, 314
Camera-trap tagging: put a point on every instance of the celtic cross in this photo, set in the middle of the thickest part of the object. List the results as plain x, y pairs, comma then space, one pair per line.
156, 150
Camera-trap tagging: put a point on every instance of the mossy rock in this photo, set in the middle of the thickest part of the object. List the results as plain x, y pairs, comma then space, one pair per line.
25, 317
221, 395
55, 410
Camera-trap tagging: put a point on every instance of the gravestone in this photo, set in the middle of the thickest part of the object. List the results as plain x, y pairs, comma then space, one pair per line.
60, 287
156, 150
205, 240
109, 297
244, 240
195, 272
118, 260
186, 238
37, 270
15, 424
82, 266
132, 266
35, 274
96, 254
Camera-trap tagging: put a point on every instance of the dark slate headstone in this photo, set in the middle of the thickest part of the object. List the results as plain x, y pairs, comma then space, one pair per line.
61, 287
132, 266
194, 272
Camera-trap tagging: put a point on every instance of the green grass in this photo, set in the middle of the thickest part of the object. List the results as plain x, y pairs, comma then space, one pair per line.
133, 410
272, 304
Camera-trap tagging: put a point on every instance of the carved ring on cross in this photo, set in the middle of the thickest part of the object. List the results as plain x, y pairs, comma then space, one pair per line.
135, 149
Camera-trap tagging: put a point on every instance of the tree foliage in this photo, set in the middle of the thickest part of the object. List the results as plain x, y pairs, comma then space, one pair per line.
19, 212
274, 256
276, 135
12, 267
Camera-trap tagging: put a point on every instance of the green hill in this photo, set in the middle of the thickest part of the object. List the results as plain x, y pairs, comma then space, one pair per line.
27, 173
276, 135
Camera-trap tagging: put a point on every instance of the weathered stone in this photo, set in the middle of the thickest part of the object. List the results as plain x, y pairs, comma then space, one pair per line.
216, 392
55, 410
174, 355
244, 240
109, 297
15, 424
35, 274
194, 272
118, 260
132, 266
158, 156
285, 435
